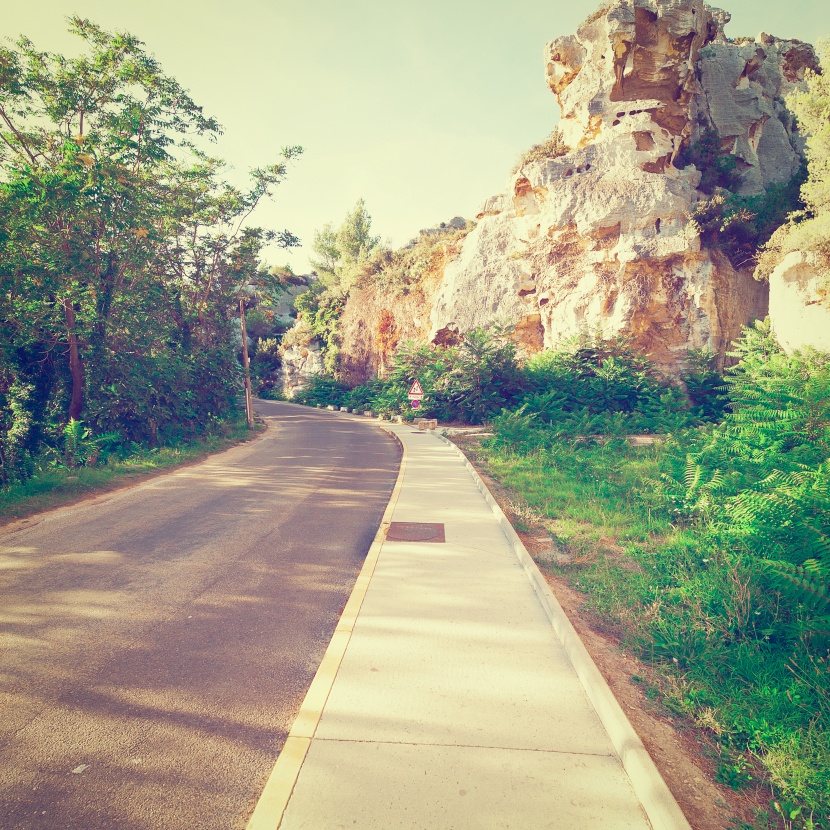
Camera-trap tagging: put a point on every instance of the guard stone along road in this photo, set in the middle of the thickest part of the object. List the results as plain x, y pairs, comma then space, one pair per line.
156, 643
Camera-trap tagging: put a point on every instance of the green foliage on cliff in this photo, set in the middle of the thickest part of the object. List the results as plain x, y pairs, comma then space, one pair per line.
718, 169
742, 225
350, 259
553, 147
341, 257
399, 272
318, 313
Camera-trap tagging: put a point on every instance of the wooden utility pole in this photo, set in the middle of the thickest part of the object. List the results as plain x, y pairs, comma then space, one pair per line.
249, 401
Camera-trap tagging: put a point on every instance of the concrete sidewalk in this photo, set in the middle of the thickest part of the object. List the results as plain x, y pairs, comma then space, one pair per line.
454, 693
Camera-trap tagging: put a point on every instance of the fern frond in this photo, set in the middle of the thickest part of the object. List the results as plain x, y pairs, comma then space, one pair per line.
692, 475
806, 584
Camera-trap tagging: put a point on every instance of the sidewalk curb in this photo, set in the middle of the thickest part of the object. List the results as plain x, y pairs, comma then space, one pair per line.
657, 800
273, 800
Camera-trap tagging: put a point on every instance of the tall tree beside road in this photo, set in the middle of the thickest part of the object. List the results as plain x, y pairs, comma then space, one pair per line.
122, 248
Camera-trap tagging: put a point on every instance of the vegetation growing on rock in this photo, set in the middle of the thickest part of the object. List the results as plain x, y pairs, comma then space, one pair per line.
360, 277
553, 147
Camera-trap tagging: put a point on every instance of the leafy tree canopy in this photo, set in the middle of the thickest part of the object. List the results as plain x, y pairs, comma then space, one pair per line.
340, 253
123, 251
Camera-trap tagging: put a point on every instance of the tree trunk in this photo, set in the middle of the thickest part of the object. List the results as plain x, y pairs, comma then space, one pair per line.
76, 366
249, 403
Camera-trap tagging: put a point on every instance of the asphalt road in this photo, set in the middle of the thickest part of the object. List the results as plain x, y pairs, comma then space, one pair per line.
156, 644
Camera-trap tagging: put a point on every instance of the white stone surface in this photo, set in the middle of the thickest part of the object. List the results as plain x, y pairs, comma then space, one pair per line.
434, 787
800, 316
299, 364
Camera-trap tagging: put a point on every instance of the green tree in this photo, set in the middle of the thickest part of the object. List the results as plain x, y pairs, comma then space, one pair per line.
341, 254
122, 249
811, 107
327, 254
82, 139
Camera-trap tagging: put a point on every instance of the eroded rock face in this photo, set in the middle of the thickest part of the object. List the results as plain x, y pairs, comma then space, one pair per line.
600, 239
800, 315
299, 364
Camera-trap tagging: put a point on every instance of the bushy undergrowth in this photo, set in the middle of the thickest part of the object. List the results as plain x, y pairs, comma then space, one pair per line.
471, 382
589, 387
595, 386
711, 554
322, 390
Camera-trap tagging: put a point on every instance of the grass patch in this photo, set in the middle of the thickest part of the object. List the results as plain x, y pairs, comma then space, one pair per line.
582, 493
54, 487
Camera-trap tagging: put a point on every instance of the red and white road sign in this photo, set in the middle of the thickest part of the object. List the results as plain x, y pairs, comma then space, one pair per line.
416, 391
415, 403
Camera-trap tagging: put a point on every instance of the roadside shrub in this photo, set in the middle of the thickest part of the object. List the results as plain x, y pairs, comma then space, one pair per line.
470, 382
595, 386
363, 397
323, 390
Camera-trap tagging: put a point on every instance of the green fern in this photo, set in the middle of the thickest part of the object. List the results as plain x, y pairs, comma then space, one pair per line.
807, 584
807, 587
74, 436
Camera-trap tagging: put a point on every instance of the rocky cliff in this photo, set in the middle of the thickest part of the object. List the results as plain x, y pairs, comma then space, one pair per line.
659, 113
600, 238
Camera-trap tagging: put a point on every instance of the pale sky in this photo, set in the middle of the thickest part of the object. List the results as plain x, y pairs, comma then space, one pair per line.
420, 108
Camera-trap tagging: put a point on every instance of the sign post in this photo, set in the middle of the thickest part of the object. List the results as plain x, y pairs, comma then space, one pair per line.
416, 394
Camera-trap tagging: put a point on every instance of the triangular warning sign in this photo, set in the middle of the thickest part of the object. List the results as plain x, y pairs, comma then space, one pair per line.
416, 389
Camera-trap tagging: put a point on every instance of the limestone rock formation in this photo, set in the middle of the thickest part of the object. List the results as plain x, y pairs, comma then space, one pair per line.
600, 239
300, 363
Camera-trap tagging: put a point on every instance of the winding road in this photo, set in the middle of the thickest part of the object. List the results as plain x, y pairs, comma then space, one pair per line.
156, 642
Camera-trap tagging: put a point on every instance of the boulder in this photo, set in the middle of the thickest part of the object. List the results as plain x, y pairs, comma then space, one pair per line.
300, 363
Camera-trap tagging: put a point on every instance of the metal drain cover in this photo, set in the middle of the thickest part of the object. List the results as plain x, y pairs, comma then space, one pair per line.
415, 532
